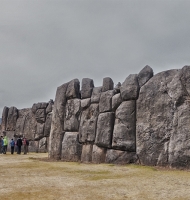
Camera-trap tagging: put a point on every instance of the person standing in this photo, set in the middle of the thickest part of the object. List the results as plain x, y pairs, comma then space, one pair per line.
1, 145
19, 144
5, 143
12, 144
24, 145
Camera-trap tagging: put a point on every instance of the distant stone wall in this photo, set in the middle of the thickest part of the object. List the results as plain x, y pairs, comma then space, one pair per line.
144, 120
33, 123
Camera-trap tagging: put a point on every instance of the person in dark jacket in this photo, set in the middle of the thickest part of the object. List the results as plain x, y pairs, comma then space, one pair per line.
1, 145
12, 144
19, 144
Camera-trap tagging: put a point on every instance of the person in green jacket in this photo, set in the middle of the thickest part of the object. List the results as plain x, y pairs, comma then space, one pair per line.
5, 143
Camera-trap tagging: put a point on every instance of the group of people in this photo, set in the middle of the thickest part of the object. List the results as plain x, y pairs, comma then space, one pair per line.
15, 145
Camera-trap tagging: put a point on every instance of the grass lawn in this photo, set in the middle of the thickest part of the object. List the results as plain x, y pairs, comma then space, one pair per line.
32, 177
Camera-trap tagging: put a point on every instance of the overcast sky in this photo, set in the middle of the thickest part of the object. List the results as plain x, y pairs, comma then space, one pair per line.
45, 43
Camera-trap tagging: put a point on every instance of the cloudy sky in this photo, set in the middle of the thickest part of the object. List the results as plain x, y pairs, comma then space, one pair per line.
45, 43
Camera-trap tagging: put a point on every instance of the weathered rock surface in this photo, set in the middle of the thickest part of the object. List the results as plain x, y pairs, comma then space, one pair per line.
72, 111
144, 75
96, 93
47, 126
73, 89
87, 129
86, 156
120, 157
130, 88
71, 148
4, 118
49, 107
104, 129
87, 87
98, 154
85, 103
161, 121
116, 101
105, 104
41, 105
11, 119
42, 145
124, 134
57, 125
39, 131
107, 84
40, 115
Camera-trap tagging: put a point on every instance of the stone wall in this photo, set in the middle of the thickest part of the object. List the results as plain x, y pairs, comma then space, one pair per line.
33, 123
144, 120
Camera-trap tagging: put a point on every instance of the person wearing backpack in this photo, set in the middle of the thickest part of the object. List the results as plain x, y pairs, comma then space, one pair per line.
12, 144
27, 144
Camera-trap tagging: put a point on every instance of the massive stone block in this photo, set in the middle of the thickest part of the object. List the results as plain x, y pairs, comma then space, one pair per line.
96, 93
41, 105
124, 134
47, 126
107, 84
130, 88
40, 115
39, 131
85, 103
104, 129
73, 89
87, 129
12, 118
98, 154
120, 157
86, 156
71, 148
144, 75
4, 118
87, 87
163, 120
49, 107
105, 104
57, 125
116, 101
72, 111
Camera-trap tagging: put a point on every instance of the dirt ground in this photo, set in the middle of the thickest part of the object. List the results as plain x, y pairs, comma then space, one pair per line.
32, 177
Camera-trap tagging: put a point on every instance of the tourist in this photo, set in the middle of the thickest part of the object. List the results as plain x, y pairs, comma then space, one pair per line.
24, 145
12, 144
19, 144
5, 143
1, 145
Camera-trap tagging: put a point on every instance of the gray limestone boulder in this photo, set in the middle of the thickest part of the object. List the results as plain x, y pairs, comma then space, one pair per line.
144, 75
87, 128
11, 119
42, 145
87, 87
116, 101
73, 89
98, 154
185, 78
104, 130
41, 105
39, 131
107, 84
71, 148
130, 88
57, 124
124, 134
120, 157
85, 103
162, 120
4, 118
49, 107
72, 111
96, 93
86, 156
47, 126
40, 115
105, 104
